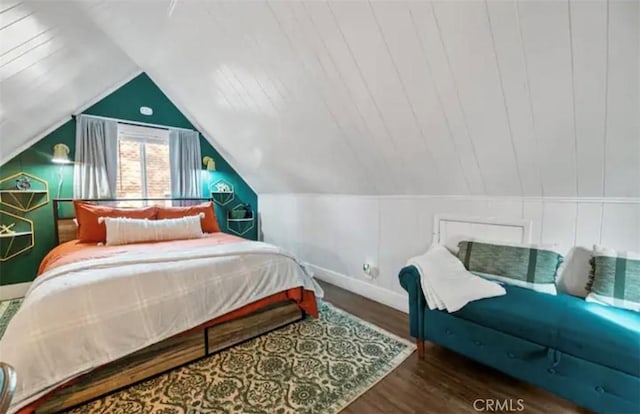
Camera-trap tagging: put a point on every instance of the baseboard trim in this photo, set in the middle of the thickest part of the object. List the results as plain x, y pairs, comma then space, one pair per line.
14, 291
362, 288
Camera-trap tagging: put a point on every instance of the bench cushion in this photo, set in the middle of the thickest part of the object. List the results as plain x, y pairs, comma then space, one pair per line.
604, 335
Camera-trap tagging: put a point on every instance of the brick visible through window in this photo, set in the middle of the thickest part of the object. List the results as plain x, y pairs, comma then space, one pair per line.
143, 163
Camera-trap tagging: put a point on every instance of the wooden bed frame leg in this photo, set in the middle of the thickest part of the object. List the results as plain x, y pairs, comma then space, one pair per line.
420, 344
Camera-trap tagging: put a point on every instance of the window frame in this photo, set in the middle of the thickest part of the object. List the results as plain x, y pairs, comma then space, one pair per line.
135, 133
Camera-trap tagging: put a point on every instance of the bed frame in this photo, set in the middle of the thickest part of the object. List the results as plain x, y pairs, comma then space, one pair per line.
213, 336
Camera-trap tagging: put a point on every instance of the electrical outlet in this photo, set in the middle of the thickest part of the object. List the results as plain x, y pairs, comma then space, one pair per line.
369, 271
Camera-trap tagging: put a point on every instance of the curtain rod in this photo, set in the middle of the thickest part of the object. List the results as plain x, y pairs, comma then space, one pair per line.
135, 123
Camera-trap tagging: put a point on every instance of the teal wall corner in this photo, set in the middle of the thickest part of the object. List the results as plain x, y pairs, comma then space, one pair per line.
124, 103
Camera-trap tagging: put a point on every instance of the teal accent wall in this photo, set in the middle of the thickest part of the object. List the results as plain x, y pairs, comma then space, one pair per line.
123, 104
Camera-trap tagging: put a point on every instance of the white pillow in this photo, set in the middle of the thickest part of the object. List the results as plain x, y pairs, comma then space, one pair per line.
121, 230
574, 272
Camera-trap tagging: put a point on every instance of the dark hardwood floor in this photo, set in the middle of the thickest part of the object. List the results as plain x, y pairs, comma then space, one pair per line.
444, 382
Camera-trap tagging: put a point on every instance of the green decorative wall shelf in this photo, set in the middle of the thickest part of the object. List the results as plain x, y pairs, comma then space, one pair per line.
23, 192
222, 192
16, 235
237, 224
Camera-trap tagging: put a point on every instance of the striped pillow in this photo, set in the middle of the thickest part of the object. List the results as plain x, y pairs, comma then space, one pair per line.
616, 279
527, 266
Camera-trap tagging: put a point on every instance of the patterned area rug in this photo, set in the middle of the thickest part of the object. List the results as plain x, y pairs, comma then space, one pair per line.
8, 308
313, 366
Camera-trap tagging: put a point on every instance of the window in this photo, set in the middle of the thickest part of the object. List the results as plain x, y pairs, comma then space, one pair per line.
143, 162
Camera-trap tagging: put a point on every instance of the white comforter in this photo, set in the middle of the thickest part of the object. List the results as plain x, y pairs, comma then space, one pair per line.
82, 315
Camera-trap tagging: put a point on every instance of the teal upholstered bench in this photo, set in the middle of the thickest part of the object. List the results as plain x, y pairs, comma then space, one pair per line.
584, 352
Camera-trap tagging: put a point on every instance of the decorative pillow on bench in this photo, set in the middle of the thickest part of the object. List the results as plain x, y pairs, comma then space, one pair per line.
575, 272
528, 266
616, 279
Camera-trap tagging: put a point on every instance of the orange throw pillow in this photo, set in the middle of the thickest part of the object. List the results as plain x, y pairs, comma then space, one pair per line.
87, 214
209, 222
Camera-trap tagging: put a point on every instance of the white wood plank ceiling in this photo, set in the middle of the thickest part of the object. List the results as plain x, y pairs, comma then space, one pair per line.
532, 98
52, 62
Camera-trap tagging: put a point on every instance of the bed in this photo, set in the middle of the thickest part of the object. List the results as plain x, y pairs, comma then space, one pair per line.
100, 318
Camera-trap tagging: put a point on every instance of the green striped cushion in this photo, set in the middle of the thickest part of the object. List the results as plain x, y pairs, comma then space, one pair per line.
526, 266
616, 279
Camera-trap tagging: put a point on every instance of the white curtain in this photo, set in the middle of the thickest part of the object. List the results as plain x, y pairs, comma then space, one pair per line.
96, 161
184, 152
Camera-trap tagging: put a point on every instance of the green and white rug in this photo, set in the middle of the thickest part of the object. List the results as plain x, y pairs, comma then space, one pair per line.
8, 308
313, 366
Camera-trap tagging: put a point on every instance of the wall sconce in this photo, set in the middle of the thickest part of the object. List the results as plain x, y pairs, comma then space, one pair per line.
61, 154
209, 163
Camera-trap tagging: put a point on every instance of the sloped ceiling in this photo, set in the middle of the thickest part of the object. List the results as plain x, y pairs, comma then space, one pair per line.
533, 98
52, 62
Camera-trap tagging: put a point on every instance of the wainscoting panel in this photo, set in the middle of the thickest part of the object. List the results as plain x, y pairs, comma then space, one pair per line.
558, 224
620, 226
337, 234
588, 223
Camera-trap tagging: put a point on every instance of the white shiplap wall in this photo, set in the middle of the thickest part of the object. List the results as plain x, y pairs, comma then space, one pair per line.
52, 63
339, 233
475, 97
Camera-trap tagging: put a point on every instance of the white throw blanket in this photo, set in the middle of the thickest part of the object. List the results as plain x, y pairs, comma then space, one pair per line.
82, 315
446, 284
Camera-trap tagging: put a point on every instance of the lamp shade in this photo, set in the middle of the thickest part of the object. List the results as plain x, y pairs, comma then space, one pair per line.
61, 154
209, 163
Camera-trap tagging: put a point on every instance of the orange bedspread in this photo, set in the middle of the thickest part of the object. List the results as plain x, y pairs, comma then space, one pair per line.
75, 251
